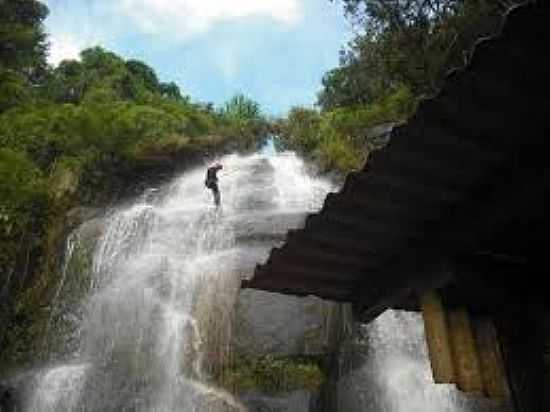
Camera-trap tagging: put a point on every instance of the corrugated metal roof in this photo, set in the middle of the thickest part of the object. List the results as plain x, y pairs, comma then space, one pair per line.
443, 181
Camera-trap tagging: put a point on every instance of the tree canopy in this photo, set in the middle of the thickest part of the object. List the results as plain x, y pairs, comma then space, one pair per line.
72, 133
23, 44
240, 107
406, 42
400, 53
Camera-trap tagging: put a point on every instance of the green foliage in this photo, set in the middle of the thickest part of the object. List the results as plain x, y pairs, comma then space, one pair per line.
400, 53
22, 50
338, 139
104, 106
115, 129
272, 375
337, 153
21, 182
100, 64
23, 206
412, 43
102, 76
144, 74
66, 83
302, 127
241, 108
83, 129
13, 90
171, 91
22, 38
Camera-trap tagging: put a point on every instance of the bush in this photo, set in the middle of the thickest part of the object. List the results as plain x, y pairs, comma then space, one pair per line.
21, 182
338, 139
23, 204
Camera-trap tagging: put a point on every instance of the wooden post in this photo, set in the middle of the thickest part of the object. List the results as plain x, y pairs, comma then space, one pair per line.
492, 367
437, 338
465, 356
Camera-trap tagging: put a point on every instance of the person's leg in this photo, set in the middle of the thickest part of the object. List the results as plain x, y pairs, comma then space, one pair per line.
216, 193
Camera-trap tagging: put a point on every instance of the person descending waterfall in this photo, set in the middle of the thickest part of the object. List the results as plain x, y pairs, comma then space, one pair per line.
211, 181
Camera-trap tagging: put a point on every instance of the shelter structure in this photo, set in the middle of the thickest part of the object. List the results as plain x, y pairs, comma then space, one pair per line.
450, 218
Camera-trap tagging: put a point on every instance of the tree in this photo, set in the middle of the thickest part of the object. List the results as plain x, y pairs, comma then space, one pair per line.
13, 89
302, 128
20, 180
102, 75
67, 82
23, 43
240, 107
170, 91
355, 82
143, 73
411, 43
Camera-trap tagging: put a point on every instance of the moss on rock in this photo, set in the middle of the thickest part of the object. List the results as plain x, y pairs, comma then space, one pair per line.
273, 375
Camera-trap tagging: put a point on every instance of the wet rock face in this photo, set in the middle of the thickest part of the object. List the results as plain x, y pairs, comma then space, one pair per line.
277, 339
73, 282
279, 325
270, 323
78, 215
286, 329
285, 402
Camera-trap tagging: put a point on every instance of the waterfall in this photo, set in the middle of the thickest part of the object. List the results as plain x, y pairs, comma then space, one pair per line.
385, 368
156, 316
153, 323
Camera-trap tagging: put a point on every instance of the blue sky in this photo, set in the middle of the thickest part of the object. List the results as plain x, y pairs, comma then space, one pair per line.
274, 51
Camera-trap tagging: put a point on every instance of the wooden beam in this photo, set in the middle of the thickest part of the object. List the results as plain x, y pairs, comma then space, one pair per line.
465, 355
437, 338
492, 367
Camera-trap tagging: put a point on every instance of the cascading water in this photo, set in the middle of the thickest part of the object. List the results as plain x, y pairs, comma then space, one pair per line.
154, 320
386, 369
165, 275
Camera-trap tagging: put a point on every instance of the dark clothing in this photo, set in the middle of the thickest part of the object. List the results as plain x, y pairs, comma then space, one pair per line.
211, 182
211, 173
216, 192
211, 176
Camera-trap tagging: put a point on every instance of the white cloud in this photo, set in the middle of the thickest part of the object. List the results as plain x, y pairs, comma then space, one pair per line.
184, 18
65, 45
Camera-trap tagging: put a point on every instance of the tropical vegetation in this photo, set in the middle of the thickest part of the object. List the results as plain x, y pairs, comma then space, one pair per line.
72, 134
400, 54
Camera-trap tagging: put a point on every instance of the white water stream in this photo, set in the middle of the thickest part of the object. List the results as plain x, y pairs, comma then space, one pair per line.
165, 276
391, 373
